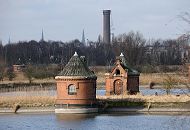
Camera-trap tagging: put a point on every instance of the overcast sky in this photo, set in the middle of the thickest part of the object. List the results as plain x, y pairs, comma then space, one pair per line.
65, 19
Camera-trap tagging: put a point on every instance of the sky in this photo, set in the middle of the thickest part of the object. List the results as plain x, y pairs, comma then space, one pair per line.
23, 20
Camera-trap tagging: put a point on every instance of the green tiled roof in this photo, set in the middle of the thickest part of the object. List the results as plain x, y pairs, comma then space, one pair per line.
125, 65
77, 68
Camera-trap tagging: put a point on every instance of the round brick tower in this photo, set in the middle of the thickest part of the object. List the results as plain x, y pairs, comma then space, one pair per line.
76, 88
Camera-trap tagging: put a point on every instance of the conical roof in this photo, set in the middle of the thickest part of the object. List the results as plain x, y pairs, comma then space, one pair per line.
76, 68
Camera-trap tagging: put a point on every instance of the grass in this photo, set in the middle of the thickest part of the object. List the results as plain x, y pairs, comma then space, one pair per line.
132, 100
158, 78
112, 101
27, 101
113, 104
148, 98
5, 81
145, 78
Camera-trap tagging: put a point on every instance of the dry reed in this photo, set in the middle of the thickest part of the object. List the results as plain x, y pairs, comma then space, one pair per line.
27, 101
158, 78
144, 78
149, 98
47, 101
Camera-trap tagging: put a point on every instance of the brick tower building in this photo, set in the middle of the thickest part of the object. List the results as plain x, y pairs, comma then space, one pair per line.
76, 87
122, 78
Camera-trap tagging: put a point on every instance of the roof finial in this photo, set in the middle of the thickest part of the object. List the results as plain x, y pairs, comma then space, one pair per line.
121, 54
75, 54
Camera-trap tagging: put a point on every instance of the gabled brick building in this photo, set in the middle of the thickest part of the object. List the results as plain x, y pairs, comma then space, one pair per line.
76, 87
122, 79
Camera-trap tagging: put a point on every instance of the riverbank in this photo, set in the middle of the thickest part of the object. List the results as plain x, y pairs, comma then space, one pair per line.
109, 110
146, 99
123, 103
48, 101
27, 101
28, 110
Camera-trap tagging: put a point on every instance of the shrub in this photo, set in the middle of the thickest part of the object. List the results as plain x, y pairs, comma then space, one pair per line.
29, 73
2, 72
169, 83
10, 74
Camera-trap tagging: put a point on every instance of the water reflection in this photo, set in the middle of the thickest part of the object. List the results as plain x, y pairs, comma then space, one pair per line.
74, 117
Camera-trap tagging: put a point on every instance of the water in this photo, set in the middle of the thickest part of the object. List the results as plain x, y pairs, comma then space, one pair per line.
94, 122
147, 91
30, 93
161, 91
143, 91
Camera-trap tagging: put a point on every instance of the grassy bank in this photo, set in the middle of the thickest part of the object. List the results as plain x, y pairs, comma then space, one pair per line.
27, 101
128, 101
148, 98
113, 101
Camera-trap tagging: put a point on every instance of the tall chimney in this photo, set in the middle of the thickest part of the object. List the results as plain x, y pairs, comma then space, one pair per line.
106, 26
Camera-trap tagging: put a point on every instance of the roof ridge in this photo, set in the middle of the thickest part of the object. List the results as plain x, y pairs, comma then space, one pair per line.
126, 66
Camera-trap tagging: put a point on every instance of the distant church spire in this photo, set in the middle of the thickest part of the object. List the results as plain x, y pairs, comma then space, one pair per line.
42, 39
9, 42
83, 38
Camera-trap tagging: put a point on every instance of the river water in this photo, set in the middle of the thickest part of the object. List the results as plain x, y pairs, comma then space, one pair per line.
52, 121
159, 91
143, 91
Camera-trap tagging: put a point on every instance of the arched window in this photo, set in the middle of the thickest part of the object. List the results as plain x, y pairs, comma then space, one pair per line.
72, 90
117, 72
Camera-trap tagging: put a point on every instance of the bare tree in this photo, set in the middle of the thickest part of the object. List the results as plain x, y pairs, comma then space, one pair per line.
185, 16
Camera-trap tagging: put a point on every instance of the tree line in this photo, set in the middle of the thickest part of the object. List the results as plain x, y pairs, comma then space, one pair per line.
137, 50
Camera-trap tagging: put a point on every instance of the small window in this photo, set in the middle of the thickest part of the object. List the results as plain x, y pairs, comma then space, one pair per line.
117, 72
72, 90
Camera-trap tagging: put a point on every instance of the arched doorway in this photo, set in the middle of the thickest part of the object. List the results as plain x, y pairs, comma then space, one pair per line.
118, 87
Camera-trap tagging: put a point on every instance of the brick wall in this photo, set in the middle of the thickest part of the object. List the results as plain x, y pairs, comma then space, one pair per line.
85, 92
